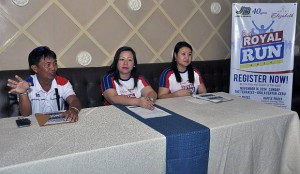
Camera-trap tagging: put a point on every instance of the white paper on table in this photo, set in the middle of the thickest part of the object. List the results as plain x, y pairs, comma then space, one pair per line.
146, 113
196, 100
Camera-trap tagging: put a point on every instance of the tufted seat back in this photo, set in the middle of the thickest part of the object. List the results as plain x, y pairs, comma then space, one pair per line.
296, 86
86, 82
8, 103
215, 74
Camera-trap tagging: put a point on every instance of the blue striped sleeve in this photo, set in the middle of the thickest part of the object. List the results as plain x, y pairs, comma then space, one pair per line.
163, 77
107, 82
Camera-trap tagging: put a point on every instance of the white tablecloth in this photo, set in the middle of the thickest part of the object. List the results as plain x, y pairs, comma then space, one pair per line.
104, 140
246, 137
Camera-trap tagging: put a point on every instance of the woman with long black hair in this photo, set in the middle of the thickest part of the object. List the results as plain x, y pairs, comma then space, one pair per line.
181, 79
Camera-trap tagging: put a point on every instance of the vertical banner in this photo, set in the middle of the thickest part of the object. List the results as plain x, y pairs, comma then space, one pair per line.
262, 52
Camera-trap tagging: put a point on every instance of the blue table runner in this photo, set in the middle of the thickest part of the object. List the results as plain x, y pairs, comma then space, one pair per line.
187, 141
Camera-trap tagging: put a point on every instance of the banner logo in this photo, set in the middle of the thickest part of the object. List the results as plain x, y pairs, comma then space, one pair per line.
283, 13
264, 48
244, 11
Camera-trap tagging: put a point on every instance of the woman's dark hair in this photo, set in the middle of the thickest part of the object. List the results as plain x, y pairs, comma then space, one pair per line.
190, 68
114, 67
39, 53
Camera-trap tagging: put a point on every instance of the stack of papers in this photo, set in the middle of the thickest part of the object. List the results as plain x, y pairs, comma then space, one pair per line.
211, 97
50, 118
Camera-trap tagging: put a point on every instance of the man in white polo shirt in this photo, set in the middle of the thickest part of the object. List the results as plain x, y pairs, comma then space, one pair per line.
44, 91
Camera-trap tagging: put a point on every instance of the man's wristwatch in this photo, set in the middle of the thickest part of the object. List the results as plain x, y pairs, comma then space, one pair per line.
26, 92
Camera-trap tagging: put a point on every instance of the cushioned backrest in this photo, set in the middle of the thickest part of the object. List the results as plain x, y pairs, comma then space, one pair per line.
152, 73
86, 84
8, 102
86, 81
215, 74
296, 86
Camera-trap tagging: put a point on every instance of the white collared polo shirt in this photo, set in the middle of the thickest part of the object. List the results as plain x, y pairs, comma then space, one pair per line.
45, 101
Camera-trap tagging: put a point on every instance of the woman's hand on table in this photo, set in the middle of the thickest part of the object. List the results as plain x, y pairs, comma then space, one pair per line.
146, 102
183, 92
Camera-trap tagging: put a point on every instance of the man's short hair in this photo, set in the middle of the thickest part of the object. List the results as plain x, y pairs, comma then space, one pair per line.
39, 53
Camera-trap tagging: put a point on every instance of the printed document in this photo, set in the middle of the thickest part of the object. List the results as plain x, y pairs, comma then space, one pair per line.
146, 113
